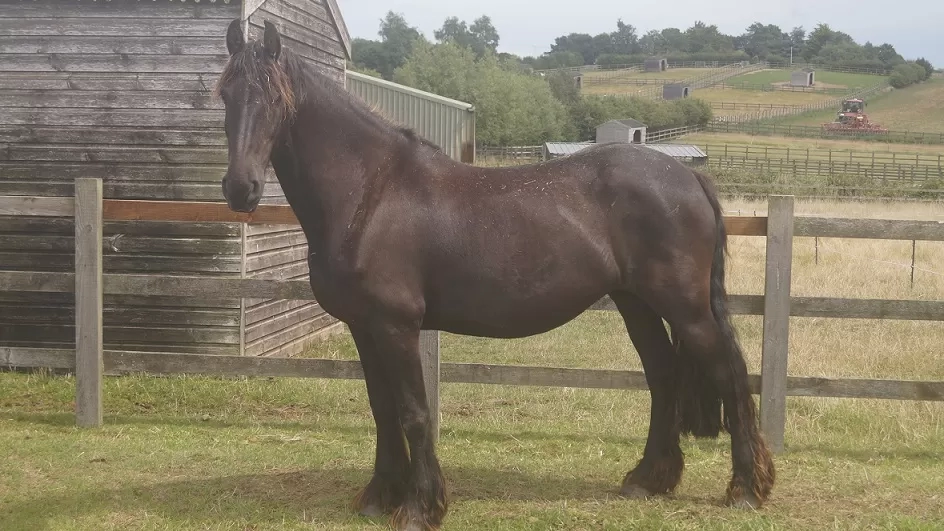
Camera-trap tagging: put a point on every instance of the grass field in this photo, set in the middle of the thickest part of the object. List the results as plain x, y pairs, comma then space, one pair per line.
822, 78
757, 96
610, 82
919, 108
205, 453
671, 73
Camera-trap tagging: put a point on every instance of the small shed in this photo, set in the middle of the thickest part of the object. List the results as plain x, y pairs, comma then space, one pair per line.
627, 130
656, 64
802, 78
121, 90
675, 91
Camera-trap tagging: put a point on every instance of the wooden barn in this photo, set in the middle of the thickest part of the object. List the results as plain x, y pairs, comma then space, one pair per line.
122, 90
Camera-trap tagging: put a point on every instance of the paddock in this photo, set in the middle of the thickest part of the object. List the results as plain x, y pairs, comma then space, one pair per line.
543, 438
91, 361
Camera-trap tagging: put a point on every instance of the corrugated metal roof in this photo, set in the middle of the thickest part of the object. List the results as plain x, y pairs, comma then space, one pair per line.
396, 87
678, 150
673, 150
566, 148
631, 122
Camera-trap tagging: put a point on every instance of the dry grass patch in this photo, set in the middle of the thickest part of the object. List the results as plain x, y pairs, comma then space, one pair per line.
757, 96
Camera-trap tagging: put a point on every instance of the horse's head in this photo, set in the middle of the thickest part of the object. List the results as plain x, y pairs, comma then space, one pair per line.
260, 102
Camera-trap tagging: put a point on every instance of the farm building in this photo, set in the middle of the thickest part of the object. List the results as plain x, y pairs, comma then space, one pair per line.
689, 154
655, 64
122, 90
802, 78
448, 123
627, 130
675, 91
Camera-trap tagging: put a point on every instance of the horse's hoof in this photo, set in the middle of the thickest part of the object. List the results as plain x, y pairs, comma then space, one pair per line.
635, 492
372, 510
745, 501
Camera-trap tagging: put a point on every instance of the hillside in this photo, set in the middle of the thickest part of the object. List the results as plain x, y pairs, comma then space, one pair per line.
918, 108
634, 82
823, 79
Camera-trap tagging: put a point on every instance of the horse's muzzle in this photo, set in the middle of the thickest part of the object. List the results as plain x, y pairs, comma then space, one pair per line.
242, 195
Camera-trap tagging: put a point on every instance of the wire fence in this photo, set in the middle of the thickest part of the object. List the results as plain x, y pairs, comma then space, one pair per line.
769, 87
812, 131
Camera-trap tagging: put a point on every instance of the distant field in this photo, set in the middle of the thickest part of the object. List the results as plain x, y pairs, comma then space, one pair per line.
757, 96
671, 73
610, 82
834, 79
807, 143
918, 108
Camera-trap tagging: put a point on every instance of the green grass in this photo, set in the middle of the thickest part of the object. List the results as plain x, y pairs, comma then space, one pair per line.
822, 78
758, 96
259, 454
290, 454
918, 108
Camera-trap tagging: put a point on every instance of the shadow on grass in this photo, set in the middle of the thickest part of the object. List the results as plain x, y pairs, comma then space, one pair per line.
321, 496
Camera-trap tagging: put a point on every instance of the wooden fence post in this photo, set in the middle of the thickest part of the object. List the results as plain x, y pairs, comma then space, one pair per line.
773, 393
429, 352
89, 364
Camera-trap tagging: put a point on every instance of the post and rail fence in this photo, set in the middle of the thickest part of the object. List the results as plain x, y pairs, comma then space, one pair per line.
90, 284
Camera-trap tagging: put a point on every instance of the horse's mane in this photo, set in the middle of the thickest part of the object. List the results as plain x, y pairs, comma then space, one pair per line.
286, 83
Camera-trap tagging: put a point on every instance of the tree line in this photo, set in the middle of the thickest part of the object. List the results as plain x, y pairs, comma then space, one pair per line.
513, 106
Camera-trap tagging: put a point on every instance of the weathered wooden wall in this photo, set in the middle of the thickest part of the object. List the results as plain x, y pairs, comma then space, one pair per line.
122, 90
275, 327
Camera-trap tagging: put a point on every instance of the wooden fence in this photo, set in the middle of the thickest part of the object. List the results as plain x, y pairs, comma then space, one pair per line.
831, 104
813, 131
90, 362
769, 87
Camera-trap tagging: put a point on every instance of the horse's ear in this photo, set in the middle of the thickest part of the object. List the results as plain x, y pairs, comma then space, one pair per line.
234, 37
271, 42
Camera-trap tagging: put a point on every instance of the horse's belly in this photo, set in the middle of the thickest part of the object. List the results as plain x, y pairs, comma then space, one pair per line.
515, 308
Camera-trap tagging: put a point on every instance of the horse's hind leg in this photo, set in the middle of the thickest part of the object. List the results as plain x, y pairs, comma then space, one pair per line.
709, 342
660, 469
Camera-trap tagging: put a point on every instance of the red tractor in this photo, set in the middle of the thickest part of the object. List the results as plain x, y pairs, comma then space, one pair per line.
853, 120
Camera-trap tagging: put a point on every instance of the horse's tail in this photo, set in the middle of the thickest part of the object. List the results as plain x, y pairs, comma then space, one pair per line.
699, 401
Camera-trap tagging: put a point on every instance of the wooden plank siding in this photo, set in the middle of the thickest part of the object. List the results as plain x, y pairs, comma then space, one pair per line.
122, 90
275, 327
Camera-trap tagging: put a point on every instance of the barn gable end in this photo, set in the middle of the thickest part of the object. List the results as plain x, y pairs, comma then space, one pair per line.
122, 90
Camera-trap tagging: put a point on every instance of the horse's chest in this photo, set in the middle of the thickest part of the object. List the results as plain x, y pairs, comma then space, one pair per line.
336, 289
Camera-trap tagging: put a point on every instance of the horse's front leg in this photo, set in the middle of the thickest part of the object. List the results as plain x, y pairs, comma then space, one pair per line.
385, 491
424, 504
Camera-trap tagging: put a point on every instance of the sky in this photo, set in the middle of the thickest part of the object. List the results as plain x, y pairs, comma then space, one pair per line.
529, 28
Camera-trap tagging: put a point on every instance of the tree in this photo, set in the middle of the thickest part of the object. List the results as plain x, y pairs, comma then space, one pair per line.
624, 39
480, 37
397, 39
928, 68
511, 107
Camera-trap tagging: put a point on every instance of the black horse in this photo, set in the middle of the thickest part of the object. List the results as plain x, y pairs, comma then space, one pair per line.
402, 238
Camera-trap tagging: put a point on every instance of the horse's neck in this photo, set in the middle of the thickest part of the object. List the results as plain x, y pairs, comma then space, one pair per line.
325, 168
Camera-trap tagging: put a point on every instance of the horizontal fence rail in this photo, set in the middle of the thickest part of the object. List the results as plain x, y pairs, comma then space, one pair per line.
90, 360
813, 131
